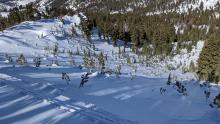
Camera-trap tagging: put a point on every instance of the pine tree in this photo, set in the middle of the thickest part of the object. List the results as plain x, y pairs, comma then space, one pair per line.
55, 50
84, 79
71, 59
77, 51
37, 61
85, 26
217, 101
73, 30
21, 60
135, 40
217, 73
101, 60
118, 70
169, 81
192, 67
128, 60
85, 58
8, 58
88, 60
133, 72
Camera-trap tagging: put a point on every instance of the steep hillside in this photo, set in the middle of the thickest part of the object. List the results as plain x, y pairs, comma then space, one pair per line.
154, 30
120, 5
110, 62
123, 6
8, 4
128, 92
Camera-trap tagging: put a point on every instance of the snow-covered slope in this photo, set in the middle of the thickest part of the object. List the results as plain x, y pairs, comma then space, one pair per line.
7, 4
33, 37
205, 4
181, 6
38, 38
40, 96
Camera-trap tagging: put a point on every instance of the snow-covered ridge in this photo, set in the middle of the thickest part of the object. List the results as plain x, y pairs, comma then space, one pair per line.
180, 6
7, 4
33, 36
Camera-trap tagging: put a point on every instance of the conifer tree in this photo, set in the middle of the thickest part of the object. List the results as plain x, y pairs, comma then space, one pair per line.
128, 60
77, 51
88, 60
101, 60
169, 81
37, 61
21, 60
192, 67
118, 70
55, 50
71, 59
135, 39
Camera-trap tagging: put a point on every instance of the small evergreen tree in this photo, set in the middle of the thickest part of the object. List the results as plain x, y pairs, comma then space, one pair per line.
118, 71
55, 50
101, 60
71, 60
66, 78
37, 61
128, 60
133, 72
169, 81
192, 67
217, 101
77, 51
8, 58
21, 60
88, 60
84, 79
55, 61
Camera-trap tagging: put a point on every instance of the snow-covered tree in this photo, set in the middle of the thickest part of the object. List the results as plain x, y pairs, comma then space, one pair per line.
133, 72
21, 60
37, 61
73, 31
192, 67
118, 70
66, 77
217, 100
77, 51
8, 58
181, 88
128, 60
71, 58
55, 50
84, 79
55, 61
169, 81
88, 60
101, 60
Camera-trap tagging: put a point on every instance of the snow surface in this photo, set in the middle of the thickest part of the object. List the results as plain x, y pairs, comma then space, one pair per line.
40, 96
7, 4
207, 4
186, 5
